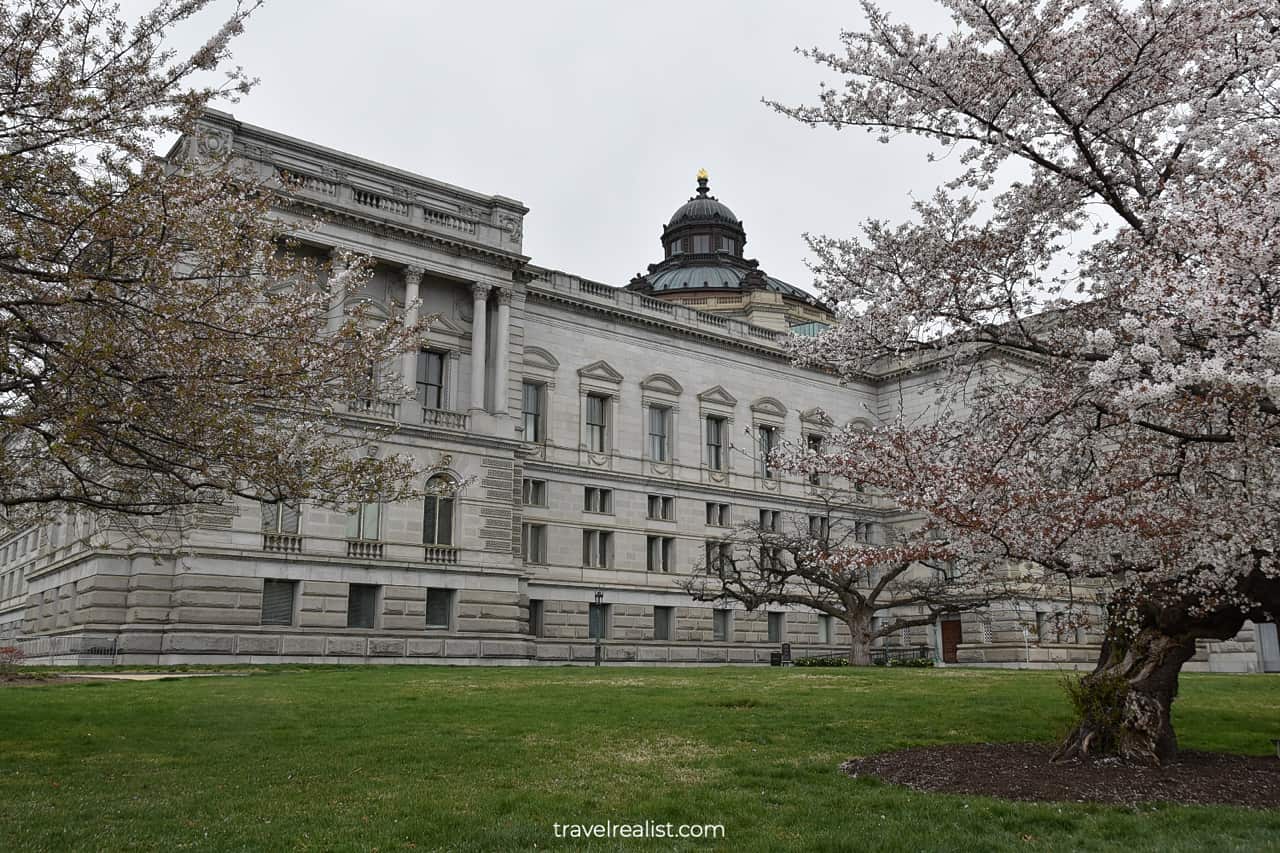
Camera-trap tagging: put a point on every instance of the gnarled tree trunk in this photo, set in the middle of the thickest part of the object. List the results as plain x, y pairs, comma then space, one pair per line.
1125, 703
860, 638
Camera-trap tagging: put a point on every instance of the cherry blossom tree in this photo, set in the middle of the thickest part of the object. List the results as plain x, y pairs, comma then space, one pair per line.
1105, 414
162, 344
836, 561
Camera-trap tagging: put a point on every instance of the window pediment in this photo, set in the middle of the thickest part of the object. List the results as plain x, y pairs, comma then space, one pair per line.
661, 383
718, 396
816, 417
769, 407
600, 371
539, 359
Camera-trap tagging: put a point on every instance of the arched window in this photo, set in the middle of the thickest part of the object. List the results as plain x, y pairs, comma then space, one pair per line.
437, 511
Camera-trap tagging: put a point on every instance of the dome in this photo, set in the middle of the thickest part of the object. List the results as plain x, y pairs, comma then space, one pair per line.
717, 277
703, 209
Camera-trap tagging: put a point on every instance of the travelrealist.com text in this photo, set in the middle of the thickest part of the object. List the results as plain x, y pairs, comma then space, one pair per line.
645, 829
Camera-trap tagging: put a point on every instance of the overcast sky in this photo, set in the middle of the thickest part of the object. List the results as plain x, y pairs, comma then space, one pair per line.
596, 115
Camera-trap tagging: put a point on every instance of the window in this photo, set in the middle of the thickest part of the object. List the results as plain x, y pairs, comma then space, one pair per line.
726, 244
815, 445
534, 492
819, 526
597, 549
535, 543
721, 625
1044, 626
768, 440
662, 507
277, 602
659, 426
437, 511
597, 500
769, 520
430, 389
362, 605
280, 517
534, 396
439, 607
717, 515
676, 248
663, 620
598, 621
363, 521
715, 443
701, 244
719, 554
862, 531
661, 551
597, 422
535, 617
824, 629
771, 558
777, 627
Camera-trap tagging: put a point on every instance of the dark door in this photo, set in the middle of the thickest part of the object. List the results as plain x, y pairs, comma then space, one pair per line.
951, 637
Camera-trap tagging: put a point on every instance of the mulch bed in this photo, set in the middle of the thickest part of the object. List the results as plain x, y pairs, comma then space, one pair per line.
26, 679
1023, 771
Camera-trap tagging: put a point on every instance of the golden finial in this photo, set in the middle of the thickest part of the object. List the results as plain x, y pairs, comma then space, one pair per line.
702, 175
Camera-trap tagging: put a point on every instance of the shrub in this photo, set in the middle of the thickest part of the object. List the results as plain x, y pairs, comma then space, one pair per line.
822, 661
11, 658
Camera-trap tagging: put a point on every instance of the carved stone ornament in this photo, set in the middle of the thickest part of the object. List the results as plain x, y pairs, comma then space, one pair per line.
512, 225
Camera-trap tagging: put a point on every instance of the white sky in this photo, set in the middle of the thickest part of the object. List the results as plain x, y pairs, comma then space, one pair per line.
596, 115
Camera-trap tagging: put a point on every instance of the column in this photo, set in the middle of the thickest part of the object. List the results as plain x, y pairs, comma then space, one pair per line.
412, 279
337, 291
501, 401
479, 344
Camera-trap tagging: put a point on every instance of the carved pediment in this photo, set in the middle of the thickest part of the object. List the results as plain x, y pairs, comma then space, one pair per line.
860, 425
537, 357
769, 406
441, 325
601, 371
719, 396
816, 416
661, 383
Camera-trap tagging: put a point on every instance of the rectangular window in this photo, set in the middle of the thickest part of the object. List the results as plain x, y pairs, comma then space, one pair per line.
701, 244
715, 443
595, 499
437, 519
597, 422
777, 627
534, 492
721, 625
439, 607
662, 507
769, 520
598, 621
535, 617
771, 558
719, 554
824, 629
726, 244
659, 427
862, 531
768, 440
363, 522
663, 621
278, 602
280, 517
534, 396
597, 549
676, 247
430, 389
362, 605
718, 515
661, 551
535, 543
815, 445
819, 527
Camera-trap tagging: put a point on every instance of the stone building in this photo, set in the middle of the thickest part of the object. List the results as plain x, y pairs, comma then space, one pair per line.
605, 437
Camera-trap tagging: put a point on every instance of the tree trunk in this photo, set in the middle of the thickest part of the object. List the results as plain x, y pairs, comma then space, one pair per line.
1124, 704
860, 639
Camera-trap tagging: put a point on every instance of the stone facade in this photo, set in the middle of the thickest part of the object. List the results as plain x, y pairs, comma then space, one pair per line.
509, 582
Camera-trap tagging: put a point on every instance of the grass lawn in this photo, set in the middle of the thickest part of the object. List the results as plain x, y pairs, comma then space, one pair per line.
404, 758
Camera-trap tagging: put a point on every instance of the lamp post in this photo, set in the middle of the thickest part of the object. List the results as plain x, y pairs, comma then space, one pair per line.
599, 625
